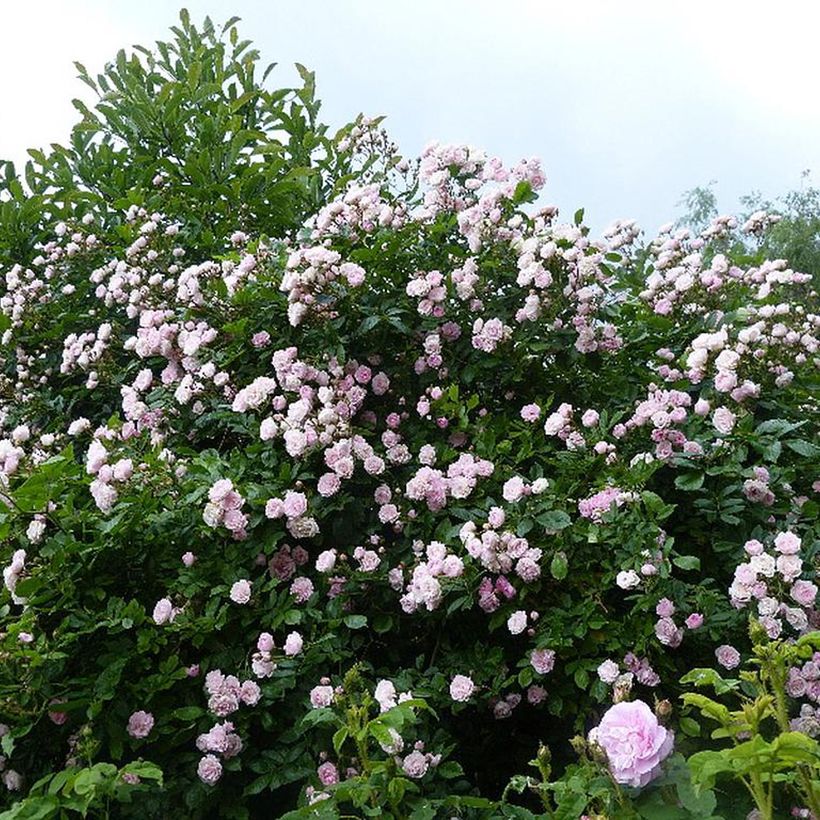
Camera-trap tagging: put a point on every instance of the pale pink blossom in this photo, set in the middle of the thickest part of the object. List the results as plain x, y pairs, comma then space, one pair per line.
542, 660
140, 724
321, 696
517, 622
293, 644
608, 671
634, 742
241, 592
461, 688
727, 656
209, 769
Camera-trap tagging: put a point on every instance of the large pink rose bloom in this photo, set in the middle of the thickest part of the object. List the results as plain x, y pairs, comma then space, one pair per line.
634, 742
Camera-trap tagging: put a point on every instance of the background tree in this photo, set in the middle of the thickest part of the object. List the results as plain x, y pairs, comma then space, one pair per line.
794, 237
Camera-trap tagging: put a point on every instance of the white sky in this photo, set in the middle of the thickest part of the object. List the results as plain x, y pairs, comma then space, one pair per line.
627, 103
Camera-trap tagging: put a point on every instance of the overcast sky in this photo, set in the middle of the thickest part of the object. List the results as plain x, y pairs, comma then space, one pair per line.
627, 103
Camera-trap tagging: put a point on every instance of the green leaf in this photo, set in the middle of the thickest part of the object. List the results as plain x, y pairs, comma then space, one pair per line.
689, 726
559, 566
186, 713
524, 526
7, 744
709, 708
523, 193
368, 323
382, 623
698, 802
525, 676
107, 682
449, 770
89, 779
46, 807
793, 748
356, 621
381, 732
803, 447
707, 765
709, 677
777, 427
315, 717
771, 451
145, 770
689, 481
339, 737
554, 520
396, 789
686, 562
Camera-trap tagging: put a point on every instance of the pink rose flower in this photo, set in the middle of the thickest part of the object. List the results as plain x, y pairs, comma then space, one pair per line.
380, 384
274, 508
140, 724
326, 561
321, 696
328, 484
250, 693
517, 622
608, 671
328, 774
12, 780
388, 513
301, 589
634, 742
163, 611
536, 694
804, 592
723, 420
668, 633
241, 592
295, 504
55, 715
590, 418
787, 543
542, 660
694, 621
260, 339
727, 656
789, 566
496, 517
665, 608
293, 644
209, 769
514, 489
220, 490
461, 688
415, 765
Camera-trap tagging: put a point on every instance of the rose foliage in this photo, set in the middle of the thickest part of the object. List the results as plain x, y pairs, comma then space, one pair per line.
336, 482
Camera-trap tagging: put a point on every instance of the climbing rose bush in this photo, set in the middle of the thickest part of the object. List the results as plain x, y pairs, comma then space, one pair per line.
339, 482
